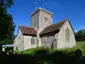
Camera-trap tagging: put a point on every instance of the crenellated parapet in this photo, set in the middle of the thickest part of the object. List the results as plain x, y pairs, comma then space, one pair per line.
42, 9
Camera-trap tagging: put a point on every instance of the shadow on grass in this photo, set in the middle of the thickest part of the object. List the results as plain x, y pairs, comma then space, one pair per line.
43, 57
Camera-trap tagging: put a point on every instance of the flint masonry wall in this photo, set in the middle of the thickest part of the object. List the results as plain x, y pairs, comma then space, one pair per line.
47, 40
61, 40
45, 19
19, 41
28, 43
23, 42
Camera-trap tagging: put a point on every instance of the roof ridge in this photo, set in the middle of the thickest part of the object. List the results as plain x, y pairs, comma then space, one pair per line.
61, 21
28, 30
26, 26
57, 22
53, 27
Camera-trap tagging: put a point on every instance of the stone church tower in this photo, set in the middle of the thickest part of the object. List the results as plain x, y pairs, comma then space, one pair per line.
40, 19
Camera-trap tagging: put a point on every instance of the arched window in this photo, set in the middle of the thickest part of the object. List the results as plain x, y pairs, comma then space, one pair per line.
32, 40
67, 35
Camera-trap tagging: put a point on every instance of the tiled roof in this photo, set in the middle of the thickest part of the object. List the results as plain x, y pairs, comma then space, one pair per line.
28, 30
53, 27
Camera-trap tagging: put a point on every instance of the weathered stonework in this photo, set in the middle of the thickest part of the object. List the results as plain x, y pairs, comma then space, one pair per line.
41, 19
49, 40
61, 41
19, 41
28, 43
23, 42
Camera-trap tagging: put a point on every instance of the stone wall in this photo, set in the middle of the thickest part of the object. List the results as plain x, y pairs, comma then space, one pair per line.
61, 40
45, 19
23, 42
48, 40
35, 20
29, 43
19, 40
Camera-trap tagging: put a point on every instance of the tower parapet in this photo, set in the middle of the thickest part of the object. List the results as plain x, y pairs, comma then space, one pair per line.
42, 9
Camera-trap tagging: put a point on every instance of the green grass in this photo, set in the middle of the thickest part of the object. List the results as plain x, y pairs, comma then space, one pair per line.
80, 45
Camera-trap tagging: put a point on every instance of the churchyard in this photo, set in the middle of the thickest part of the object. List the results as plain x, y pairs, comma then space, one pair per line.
79, 45
47, 56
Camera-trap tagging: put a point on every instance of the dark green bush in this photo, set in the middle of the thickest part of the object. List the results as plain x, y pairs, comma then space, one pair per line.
46, 51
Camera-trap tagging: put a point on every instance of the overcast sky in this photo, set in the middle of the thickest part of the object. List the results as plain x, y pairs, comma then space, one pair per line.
73, 9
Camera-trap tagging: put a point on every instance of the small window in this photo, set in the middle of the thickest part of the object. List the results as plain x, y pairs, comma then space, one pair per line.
32, 40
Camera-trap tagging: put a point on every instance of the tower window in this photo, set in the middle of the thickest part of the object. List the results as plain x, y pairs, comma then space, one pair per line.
46, 19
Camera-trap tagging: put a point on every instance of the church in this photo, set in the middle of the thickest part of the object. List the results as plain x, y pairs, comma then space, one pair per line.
43, 33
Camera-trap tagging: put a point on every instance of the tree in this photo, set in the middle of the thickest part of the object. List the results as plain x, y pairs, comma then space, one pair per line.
4, 4
6, 22
80, 35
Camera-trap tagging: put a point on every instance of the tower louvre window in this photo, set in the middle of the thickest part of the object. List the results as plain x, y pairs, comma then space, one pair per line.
46, 19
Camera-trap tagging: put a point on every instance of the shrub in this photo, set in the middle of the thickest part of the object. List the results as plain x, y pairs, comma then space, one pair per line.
46, 51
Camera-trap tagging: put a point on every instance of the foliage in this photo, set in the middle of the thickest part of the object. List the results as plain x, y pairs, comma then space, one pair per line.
43, 56
80, 35
7, 26
6, 23
34, 51
4, 4
69, 51
46, 56
80, 45
46, 51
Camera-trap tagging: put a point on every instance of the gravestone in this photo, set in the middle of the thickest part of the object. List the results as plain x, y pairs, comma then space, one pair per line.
78, 56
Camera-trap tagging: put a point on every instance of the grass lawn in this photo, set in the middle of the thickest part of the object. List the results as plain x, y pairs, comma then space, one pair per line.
80, 45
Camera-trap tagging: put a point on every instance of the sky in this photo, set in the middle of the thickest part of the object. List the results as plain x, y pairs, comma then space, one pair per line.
61, 9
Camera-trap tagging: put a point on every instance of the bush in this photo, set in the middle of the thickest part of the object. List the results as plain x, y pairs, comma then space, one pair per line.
80, 35
46, 51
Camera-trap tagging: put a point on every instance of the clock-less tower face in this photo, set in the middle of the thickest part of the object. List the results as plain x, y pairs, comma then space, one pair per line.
41, 19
